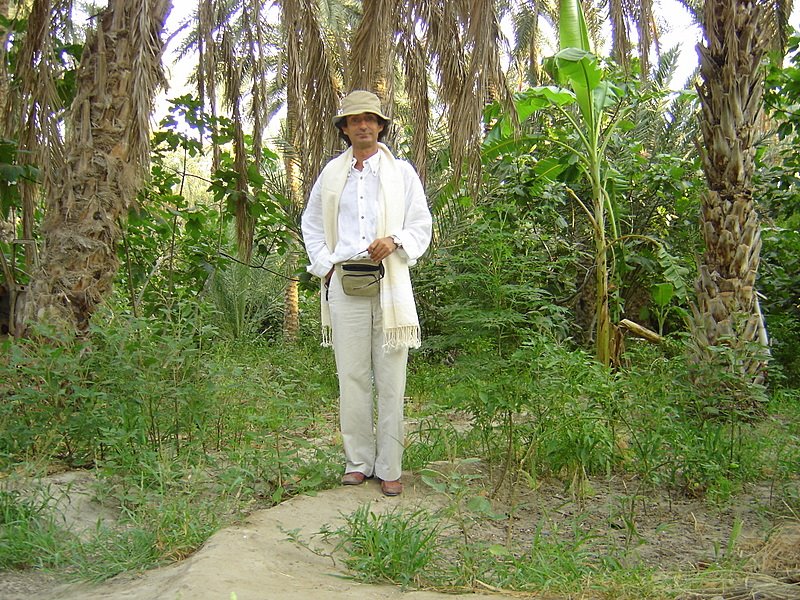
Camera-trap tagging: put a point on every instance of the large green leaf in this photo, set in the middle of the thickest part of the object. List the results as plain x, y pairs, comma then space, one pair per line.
578, 67
572, 30
555, 95
606, 94
526, 103
495, 146
550, 168
662, 294
575, 65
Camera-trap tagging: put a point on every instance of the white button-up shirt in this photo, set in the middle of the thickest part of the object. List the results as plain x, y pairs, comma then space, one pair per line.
358, 217
358, 210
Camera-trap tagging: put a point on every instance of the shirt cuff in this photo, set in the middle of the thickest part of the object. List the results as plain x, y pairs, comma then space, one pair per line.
320, 268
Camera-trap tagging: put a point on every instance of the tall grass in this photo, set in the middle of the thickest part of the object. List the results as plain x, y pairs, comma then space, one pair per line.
188, 430
550, 410
185, 430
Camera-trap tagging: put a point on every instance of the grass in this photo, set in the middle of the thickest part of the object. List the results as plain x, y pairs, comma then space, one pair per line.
398, 547
29, 536
186, 436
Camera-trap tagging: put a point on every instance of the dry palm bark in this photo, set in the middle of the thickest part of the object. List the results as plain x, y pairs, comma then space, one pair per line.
726, 314
106, 158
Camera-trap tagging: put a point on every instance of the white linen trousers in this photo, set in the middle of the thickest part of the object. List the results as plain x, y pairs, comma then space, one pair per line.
373, 439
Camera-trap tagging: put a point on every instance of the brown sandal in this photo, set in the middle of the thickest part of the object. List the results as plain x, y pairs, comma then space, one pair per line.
353, 478
392, 488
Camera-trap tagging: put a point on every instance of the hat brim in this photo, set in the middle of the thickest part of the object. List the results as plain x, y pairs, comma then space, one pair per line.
337, 120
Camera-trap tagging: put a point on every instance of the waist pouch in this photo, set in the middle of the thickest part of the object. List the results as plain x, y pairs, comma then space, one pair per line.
360, 277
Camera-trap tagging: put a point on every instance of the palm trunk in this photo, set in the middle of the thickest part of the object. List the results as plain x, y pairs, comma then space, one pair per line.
291, 312
4, 12
291, 301
106, 157
726, 316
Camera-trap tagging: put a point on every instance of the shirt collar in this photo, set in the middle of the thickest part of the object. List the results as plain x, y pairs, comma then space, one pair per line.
372, 164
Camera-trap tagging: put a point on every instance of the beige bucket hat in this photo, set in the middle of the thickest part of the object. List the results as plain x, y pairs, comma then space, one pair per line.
357, 102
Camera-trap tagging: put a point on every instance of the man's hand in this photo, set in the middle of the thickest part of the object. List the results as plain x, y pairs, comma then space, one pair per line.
381, 248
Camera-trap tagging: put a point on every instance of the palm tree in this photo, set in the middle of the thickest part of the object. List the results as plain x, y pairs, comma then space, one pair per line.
426, 37
726, 315
106, 155
33, 114
624, 15
778, 13
777, 19
312, 85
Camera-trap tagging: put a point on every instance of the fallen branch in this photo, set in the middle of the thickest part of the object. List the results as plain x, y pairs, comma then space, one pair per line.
640, 331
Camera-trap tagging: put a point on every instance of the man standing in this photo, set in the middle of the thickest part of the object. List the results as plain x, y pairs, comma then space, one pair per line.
368, 204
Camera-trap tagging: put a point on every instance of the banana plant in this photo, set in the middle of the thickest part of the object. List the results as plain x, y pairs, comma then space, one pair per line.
575, 67
580, 82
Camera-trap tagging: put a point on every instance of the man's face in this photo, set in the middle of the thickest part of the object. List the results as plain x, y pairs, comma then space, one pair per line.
363, 130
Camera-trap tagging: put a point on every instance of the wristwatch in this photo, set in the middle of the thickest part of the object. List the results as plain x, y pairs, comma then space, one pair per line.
396, 241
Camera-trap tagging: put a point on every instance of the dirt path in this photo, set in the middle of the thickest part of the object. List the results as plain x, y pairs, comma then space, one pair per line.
254, 561
257, 561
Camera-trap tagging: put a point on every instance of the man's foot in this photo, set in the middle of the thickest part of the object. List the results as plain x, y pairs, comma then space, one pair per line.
353, 478
392, 488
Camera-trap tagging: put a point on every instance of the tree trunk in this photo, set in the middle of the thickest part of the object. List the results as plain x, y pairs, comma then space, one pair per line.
291, 304
106, 158
726, 319
291, 312
4, 12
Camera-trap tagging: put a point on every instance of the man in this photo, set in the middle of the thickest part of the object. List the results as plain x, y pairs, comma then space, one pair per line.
367, 203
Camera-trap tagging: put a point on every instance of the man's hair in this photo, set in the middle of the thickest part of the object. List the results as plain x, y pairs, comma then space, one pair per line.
381, 135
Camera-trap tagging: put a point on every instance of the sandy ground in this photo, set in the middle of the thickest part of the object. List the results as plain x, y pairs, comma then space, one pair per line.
253, 561
257, 561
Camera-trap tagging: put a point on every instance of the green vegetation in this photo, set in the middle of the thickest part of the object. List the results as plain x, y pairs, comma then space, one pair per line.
187, 433
192, 401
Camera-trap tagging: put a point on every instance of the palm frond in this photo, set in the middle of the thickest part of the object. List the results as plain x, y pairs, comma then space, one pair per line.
666, 67
620, 37
648, 35
257, 36
147, 75
312, 85
778, 26
370, 55
207, 22
36, 110
415, 68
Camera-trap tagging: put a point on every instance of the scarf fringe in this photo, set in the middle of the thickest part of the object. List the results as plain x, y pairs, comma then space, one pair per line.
402, 337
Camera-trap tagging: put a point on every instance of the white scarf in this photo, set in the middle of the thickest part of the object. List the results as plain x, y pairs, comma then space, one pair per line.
400, 322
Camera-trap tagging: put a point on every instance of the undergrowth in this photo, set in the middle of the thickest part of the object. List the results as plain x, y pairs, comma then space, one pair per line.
186, 433
184, 436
